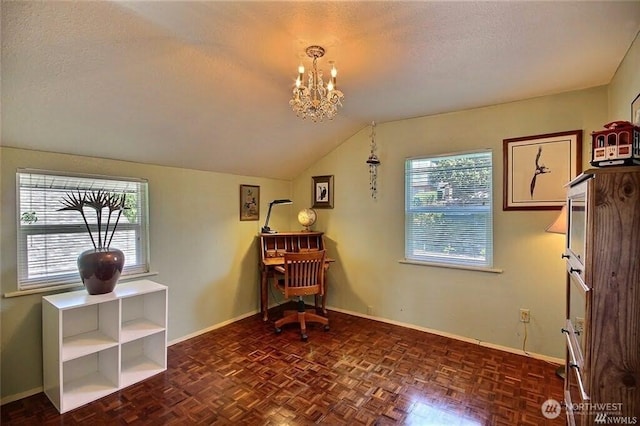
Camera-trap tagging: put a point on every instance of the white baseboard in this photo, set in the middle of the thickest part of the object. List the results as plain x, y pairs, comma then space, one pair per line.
553, 360
31, 392
213, 327
25, 394
388, 321
546, 358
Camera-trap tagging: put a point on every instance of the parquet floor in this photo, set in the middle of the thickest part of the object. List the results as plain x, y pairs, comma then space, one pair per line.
362, 372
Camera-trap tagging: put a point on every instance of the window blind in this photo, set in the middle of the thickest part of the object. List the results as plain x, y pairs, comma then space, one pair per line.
448, 209
50, 240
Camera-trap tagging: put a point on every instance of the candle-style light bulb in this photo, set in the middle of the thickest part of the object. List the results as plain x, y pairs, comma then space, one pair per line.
334, 73
300, 76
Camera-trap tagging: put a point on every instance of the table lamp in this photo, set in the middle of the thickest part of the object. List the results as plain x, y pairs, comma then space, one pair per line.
265, 228
559, 226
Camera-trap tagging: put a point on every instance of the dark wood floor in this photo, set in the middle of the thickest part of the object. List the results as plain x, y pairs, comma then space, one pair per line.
362, 372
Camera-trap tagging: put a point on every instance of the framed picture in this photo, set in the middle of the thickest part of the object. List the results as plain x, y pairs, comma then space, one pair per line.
536, 168
249, 202
322, 192
635, 111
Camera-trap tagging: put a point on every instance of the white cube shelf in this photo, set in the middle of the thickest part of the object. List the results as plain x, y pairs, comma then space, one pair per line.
97, 345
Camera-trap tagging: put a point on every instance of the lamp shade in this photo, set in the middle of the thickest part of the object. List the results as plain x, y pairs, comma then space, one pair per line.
559, 226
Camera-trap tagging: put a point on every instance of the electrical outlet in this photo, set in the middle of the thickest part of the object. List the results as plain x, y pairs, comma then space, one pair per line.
525, 315
579, 325
369, 310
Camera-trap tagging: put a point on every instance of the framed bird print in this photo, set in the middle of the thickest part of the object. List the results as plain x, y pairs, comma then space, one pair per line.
536, 169
322, 192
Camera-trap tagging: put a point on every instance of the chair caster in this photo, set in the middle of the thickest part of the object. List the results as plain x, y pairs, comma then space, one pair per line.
326, 328
304, 337
278, 330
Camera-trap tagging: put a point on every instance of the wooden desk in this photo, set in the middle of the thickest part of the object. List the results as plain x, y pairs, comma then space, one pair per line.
272, 249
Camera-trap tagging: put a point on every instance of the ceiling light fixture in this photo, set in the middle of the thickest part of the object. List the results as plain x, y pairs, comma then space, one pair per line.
315, 100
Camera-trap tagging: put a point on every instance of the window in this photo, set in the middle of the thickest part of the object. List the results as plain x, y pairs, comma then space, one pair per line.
448, 209
50, 240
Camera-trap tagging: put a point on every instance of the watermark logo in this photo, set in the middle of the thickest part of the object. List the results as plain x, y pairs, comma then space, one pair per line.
604, 413
551, 408
608, 419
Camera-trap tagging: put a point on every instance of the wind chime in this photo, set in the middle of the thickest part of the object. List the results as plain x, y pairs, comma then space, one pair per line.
373, 163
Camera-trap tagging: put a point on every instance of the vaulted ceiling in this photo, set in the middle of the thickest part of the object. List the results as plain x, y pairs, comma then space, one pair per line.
206, 85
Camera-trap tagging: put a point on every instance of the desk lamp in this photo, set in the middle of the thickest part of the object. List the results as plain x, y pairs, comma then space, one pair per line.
265, 228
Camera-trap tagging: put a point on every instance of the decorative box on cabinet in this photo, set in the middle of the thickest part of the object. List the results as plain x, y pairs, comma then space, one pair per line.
602, 380
97, 345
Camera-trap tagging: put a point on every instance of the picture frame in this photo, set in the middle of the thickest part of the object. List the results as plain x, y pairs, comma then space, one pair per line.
635, 111
322, 192
537, 168
249, 202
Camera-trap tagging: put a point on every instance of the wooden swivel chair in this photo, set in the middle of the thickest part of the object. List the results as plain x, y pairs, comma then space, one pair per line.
303, 276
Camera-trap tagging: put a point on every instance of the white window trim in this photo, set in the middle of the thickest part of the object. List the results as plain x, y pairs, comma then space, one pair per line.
451, 265
72, 283
73, 286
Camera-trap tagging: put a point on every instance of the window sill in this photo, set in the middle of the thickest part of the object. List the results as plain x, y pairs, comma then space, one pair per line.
73, 286
451, 266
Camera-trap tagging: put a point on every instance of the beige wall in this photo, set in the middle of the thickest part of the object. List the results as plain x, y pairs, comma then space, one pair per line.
625, 85
199, 248
367, 236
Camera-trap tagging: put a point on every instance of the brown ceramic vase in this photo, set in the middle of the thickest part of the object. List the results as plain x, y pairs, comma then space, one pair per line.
100, 269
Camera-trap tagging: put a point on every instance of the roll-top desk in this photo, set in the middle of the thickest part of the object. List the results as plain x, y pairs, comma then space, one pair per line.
272, 250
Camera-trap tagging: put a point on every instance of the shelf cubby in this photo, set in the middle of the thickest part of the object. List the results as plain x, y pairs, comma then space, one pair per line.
143, 315
89, 329
143, 358
90, 377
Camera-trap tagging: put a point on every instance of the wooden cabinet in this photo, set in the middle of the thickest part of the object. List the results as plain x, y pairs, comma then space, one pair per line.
96, 345
602, 380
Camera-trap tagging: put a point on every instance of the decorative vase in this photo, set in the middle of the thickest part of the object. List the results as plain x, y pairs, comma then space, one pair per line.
100, 269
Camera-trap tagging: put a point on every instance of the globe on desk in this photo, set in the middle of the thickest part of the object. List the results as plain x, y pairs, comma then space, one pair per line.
306, 218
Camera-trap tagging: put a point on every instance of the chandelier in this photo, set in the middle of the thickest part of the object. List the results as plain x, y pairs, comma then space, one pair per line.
315, 100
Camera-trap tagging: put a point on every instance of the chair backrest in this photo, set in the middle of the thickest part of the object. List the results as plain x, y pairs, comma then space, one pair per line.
304, 273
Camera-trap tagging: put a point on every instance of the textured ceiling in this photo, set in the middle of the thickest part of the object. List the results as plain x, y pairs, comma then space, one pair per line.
206, 85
